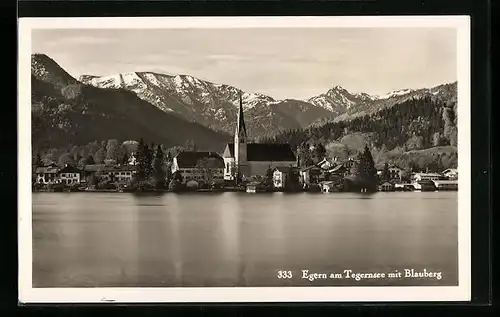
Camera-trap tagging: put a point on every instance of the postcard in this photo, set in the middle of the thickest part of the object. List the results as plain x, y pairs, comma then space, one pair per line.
244, 159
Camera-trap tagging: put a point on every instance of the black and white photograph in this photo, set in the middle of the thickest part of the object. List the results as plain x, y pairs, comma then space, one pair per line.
244, 159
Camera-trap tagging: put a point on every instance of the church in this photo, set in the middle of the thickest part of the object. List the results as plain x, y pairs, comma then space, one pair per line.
251, 159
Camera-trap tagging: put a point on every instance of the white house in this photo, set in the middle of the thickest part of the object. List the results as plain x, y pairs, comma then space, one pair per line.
418, 177
123, 173
193, 165
395, 172
47, 174
250, 159
70, 175
280, 176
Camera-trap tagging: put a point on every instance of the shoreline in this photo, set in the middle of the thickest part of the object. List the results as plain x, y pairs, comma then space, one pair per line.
227, 190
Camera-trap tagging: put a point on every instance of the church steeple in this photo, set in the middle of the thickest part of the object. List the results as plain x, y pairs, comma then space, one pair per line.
240, 139
241, 130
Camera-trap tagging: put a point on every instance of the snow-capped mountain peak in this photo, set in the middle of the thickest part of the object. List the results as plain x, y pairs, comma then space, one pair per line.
395, 93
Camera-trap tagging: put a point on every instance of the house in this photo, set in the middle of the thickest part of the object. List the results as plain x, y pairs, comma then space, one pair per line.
248, 159
418, 177
70, 175
395, 172
386, 187
194, 165
132, 160
92, 170
324, 164
446, 184
450, 173
47, 174
123, 173
281, 176
349, 163
339, 171
309, 175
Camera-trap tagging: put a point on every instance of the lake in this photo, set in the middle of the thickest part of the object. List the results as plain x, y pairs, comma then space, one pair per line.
241, 239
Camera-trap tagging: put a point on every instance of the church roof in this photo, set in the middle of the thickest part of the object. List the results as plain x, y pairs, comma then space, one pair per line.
266, 152
283, 169
189, 159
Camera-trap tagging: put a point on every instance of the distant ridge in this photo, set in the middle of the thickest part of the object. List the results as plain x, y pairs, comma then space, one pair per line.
66, 111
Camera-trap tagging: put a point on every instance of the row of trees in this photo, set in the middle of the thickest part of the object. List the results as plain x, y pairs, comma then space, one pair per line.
153, 166
363, 174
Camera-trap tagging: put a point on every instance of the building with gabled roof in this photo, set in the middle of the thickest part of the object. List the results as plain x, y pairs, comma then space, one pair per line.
199, 166
249, 159
47, 174
70, 175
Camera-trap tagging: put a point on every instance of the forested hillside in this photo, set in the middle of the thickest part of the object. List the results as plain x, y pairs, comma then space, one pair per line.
66, 112
413, 125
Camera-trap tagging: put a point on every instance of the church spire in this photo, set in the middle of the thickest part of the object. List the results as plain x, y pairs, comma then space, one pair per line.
241, 130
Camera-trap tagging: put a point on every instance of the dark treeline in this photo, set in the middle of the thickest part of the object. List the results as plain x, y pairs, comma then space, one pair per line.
413, 124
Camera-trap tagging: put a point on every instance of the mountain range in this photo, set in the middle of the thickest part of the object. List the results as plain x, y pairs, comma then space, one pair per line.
215, 105
171, 108
65, 111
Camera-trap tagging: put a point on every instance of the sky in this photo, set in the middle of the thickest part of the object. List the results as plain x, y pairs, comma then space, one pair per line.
282, 62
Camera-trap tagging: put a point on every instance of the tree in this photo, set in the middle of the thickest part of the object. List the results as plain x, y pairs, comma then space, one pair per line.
100, 156
364, 173
81, 162
453, 136
159, 173
89, 160
174, 185
168, 170
168, 157
130, 146
93, 180
189, 145
369, 164
305, 157
268, 180
415, 142
207, 165
319, 152
141, 161
385, 172
436, 139
75, 152
148, 155
66, 158
177, 176
38, 160
111, 149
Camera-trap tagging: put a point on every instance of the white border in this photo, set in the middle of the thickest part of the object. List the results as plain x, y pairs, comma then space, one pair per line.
27, 294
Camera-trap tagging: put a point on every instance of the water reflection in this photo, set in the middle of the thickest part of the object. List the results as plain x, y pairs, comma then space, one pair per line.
236, 239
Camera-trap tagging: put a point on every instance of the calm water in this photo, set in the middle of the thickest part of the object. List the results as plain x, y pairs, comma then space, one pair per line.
239, 239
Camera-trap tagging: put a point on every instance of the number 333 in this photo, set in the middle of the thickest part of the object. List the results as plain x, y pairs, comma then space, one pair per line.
284, 274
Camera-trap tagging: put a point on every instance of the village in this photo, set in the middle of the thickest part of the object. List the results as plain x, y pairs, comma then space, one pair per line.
188, 173
242, 166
